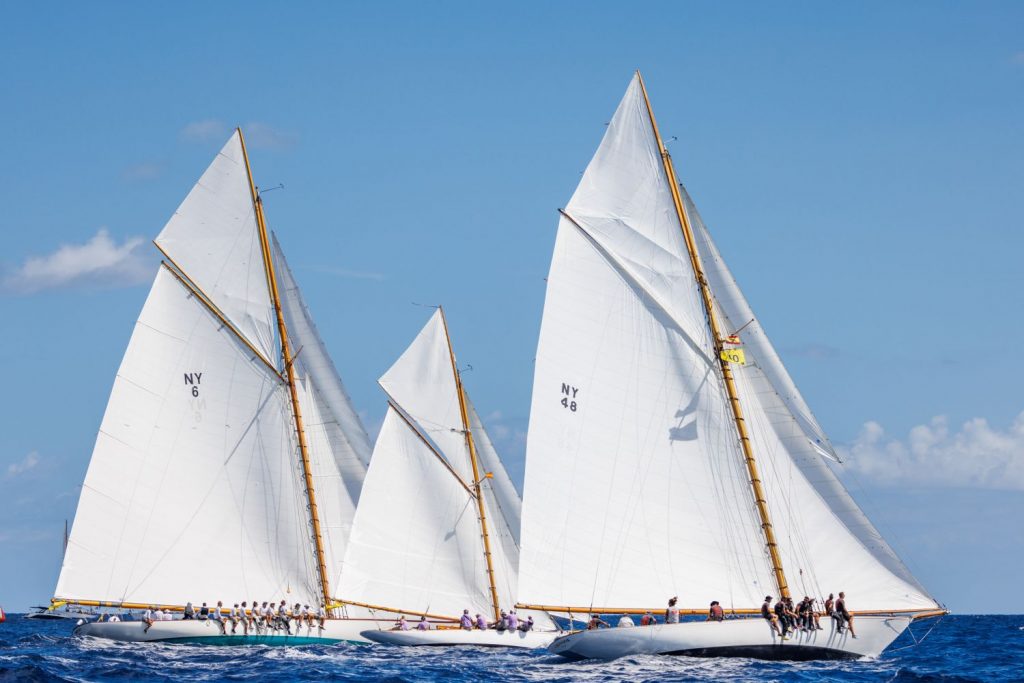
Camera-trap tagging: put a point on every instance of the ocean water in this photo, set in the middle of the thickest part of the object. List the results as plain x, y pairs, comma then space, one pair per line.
959, 648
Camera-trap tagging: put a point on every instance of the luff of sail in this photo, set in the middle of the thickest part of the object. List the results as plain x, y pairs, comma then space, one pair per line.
417, 542
193, 490
635, 485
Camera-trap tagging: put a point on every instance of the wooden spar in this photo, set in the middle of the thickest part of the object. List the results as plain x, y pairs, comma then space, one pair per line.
307, 471
201, 297
392, 610
431, 448
730, 384
476, 471
743, 611
58, 602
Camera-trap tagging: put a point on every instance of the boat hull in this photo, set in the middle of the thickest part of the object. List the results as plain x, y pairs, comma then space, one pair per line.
734, 638
209, 632
457, 637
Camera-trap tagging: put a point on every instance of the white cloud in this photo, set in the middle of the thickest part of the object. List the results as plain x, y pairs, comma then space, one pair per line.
26, 464
975, 456
145, 171
204, 131
264, 136
100, 261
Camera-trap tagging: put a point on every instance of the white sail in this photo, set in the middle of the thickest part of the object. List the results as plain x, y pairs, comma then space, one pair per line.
337, 444
192, 492
214, 240
827, 542
416, 542
635, 489
195, 489
422, 384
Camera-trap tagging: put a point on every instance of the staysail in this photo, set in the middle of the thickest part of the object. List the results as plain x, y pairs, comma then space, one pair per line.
636, 486
417, 541
194, 491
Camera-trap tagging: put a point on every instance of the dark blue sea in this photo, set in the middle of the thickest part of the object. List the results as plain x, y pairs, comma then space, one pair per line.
959, 648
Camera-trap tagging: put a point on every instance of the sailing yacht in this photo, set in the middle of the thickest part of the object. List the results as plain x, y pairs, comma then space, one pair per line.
229, 460
669, 451
437, 527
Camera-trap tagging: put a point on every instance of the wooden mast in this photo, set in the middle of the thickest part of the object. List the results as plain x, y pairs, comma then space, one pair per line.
476, 472
730, 383
268, 264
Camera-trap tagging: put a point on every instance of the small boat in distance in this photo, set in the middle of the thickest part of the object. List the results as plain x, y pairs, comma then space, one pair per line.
437, 529
669, 451
229, 460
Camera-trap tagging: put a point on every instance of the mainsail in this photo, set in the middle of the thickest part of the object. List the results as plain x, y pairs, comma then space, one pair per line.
637, 487
195, 491
418, 539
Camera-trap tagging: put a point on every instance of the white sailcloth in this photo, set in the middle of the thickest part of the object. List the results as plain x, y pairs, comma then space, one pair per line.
195, 489
416, 542
826, 541
338, 446
192, 492
214, 239
636, 488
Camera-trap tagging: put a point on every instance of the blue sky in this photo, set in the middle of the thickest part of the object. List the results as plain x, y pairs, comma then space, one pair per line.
859, 164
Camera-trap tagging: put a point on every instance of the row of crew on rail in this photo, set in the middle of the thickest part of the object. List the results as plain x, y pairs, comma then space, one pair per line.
784, 618
260, 618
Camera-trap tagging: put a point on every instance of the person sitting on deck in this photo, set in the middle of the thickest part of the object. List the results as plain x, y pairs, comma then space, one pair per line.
767, 615
715, 612
190, 611
513, 620
625, 621
321, 615
526, 625
481, 623
596, 622
502, 623
672, 613
780, 613
282, 618
297, 616
234, 616
147, 617
268, 614
204, 612
648, 619
791, 616
830, 605
218, 616
466, 621
246, 616
424, 625
402, 624
310, 615
844, 614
